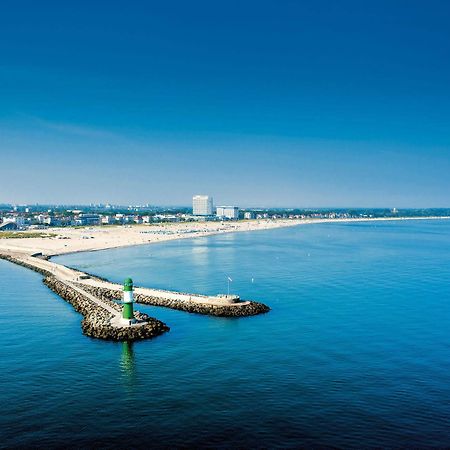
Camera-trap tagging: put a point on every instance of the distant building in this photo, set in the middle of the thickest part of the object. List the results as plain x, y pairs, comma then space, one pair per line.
108, 220
202, 205
37, 227
228, 212
7, 226
166, 218
18, 220
124, 218
249, 215
88, 219
50, 221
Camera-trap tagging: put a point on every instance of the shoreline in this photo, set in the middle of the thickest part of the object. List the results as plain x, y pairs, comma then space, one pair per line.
122, 236
215, 233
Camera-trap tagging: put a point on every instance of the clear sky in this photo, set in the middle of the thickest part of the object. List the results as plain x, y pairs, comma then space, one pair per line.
258, 103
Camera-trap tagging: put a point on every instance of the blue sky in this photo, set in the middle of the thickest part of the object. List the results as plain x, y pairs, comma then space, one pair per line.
258, 103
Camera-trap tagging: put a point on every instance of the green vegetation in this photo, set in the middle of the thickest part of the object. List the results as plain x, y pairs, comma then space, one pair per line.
23, 235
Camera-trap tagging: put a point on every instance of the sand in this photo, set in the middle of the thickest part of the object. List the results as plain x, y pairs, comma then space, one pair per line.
72, 240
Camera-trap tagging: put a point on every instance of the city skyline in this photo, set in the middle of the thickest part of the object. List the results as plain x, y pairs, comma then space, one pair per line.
298, 105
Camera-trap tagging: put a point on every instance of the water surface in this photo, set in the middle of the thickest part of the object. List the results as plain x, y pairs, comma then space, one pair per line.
354, 353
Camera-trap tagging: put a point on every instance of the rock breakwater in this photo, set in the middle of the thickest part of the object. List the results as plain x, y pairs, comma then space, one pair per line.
97, 321
249, 308
24, 264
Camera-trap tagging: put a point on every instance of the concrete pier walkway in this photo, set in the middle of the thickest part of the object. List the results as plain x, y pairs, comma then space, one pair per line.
69, 275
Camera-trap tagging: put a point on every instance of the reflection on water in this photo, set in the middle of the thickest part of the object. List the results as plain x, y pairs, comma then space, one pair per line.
199, 254
127, 364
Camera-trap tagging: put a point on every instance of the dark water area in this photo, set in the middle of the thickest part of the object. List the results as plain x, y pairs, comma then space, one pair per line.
354, 353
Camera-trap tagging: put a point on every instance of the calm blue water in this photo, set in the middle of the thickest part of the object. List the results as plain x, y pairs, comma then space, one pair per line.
355, 352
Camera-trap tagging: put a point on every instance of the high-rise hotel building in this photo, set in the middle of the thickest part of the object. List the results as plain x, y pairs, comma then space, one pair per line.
202, 205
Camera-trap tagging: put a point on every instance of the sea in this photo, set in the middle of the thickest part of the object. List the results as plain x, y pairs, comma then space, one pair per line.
355, 352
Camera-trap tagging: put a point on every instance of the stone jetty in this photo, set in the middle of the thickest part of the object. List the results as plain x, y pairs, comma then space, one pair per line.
96, 299
219, 308
102, 323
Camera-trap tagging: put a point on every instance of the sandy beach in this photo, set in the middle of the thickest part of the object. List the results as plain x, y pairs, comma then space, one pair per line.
72, 240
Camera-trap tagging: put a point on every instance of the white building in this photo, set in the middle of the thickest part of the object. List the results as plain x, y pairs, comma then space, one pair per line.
249, 215
202, 205
228, 212
49, 221
108, 220
124, 218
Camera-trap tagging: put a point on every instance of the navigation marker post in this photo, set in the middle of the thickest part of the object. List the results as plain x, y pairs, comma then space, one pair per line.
128, 313
229, 280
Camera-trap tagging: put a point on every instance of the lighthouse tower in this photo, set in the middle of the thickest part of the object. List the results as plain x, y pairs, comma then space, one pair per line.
128, 300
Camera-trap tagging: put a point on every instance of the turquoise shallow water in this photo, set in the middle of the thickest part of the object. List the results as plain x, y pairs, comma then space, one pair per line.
355, 352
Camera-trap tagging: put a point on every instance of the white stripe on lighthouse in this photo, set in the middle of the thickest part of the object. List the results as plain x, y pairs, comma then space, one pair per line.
128, 297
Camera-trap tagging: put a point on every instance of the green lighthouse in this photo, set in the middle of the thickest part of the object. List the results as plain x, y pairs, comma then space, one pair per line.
128, 299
